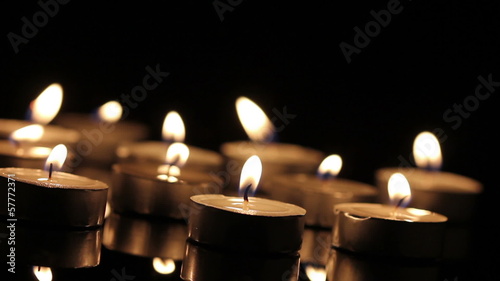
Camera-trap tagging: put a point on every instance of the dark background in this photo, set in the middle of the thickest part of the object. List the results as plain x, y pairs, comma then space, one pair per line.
281, 54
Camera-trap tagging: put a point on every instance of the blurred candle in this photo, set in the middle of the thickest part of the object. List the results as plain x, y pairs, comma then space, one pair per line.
276, 157
447, 193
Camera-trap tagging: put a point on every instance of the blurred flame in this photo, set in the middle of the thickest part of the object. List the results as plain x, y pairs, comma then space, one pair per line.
177, 154
399, 190
29, 133
255, 122
57, 157
110, 111
42, 273
315, 273
250, 174
427, 151
46, 106
173, 128
330, 166
164, 266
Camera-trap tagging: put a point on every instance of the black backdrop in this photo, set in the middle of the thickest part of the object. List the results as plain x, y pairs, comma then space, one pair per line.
282, 54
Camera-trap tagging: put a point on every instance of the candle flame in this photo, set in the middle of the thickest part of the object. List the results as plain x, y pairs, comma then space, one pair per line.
315, 273
30, 133
46, 106
173, 128
255, 122
177, 154
164, 266
427, 151
56, 157
110, 112
250, 175
330, 166
42, 273
399, 190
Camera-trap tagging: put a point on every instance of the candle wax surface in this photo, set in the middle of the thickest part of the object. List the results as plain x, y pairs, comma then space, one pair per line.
338, 187
59, 179
150, 171
435, 180
156, 151
279, 153
52, 134
387, 212
255, 206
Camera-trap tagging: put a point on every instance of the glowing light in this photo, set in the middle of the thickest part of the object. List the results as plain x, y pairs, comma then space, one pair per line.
46, 106
254, 121
399, 190
315, 273
164, 266
173, 128
330, 166
30, 133
110, 112
57, 157
427, 151
250, 174
42, 273
177, 154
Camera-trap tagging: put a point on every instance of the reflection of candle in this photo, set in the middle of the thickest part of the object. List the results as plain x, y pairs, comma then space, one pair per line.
102, 132
450, 194
145, 237
60, 247
42, 273
51, 196
319, 193
343, 265
390, 230
231, 222
173, 131
159, 189
276, 157
42, 111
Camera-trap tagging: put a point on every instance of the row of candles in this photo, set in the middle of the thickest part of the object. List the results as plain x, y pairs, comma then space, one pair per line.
283, 188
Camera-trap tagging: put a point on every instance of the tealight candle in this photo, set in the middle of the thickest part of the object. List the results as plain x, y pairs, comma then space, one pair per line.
389, 230
153, 151
318, 194
159, 190
53, 197
452, 195
42, 111
278, 158
20, 151
103, 132
246, 224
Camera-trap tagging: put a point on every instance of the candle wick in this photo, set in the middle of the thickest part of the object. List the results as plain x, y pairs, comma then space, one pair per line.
400, 202
245, 195
39, 267
50, 171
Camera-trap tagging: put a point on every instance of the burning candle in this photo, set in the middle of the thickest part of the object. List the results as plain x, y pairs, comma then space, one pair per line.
277, 157
53, 197
319, 193
173, 130
447, 193
42, 111
390, 230
102, 132
159, 189
246, 223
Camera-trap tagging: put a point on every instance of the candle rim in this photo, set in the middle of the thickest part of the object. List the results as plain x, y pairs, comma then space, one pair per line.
93, 184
